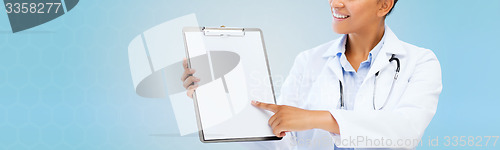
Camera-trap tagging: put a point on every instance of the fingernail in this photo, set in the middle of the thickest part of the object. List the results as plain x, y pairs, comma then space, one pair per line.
255, 102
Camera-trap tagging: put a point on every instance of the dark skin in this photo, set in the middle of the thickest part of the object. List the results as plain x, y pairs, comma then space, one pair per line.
364, 23
288, 118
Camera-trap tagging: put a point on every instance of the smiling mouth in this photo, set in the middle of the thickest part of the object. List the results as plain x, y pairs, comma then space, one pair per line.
339, 16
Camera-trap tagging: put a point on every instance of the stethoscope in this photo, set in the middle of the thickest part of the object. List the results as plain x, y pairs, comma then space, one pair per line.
342, 105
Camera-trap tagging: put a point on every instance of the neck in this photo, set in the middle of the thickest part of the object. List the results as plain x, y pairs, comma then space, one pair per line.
361, 43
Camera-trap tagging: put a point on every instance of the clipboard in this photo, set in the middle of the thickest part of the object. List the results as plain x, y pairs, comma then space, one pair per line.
233, 69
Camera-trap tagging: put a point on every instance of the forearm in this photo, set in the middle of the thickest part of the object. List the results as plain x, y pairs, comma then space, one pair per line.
324, 120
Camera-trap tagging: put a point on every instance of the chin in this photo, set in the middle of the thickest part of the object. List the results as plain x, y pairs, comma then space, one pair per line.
337, 28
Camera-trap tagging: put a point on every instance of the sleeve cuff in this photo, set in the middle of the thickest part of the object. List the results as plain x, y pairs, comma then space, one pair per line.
337, 139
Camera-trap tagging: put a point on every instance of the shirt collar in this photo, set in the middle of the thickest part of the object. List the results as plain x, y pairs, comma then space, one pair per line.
373, 54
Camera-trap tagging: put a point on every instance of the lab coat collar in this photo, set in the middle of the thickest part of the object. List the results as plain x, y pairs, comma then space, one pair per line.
336, 47
392, 44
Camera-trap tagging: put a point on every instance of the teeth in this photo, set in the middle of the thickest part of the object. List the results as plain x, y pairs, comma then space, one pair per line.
339, 16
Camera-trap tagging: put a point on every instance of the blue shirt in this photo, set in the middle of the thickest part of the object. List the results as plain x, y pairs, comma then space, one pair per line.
352, 79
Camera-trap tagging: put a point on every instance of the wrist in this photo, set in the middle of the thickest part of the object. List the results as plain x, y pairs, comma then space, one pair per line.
325, 121
317, 119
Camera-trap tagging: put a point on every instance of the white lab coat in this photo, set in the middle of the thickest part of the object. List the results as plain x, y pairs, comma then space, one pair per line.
313, 84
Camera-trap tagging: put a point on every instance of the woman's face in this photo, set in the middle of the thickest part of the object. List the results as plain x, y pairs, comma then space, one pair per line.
353, 16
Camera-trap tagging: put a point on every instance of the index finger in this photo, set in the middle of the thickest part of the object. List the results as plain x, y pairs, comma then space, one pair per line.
266, 106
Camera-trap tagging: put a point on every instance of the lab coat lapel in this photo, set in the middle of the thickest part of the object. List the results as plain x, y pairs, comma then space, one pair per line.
333, 62
333, 74
383, 86
392, 45
386, 70
380, 62
324, 92
333, 96
334, 65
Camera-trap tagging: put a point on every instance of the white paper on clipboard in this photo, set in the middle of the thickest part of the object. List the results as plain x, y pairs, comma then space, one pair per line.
233, 70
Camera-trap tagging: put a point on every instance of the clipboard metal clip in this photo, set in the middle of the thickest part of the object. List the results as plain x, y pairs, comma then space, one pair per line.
223, 31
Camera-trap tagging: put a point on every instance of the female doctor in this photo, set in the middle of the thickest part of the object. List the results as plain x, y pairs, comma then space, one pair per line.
366, 89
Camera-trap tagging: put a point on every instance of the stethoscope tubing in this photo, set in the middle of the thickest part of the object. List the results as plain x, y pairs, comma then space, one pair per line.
398, 63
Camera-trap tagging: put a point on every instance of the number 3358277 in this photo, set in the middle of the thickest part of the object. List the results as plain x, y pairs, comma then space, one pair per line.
33, 8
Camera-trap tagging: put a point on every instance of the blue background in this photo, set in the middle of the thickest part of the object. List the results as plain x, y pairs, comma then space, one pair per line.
66, 84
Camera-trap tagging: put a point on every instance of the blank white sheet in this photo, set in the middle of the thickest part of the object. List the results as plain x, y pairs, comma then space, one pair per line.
224, 104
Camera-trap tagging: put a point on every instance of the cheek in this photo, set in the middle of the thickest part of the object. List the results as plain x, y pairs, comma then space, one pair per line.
364, 14
360, 17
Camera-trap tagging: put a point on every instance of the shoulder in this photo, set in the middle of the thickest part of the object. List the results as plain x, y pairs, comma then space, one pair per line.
418, 53
420, 63
410, 51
